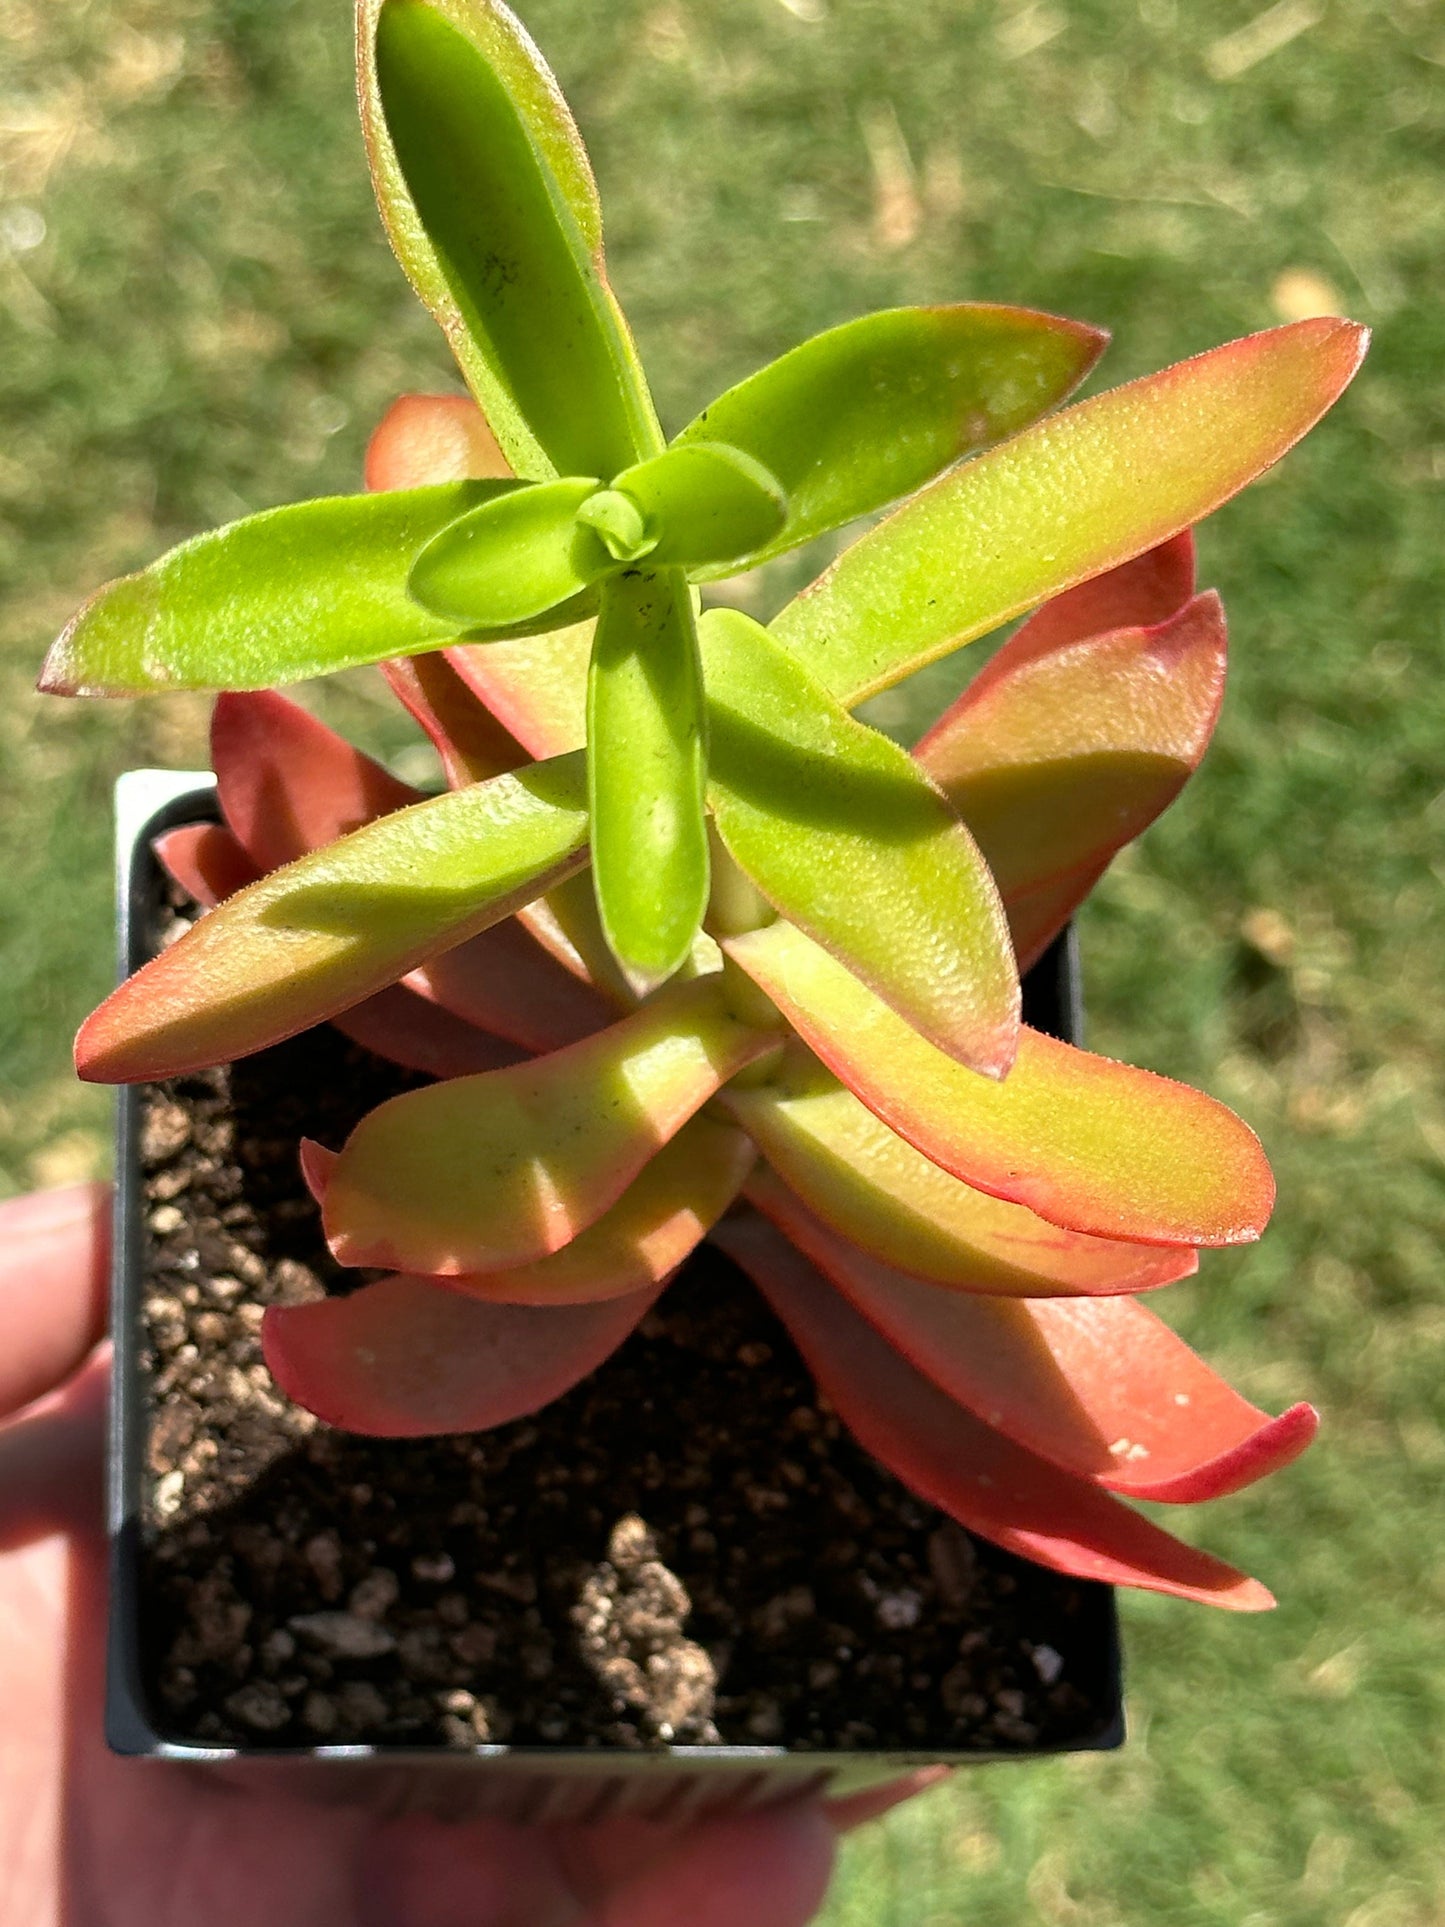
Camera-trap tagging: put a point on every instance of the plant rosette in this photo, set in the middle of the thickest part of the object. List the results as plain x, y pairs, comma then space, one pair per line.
686, 950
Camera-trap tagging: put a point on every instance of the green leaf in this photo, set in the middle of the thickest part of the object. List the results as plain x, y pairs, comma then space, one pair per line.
866, 413
296, 591
321, 934
513, 558
874, 1189
523, 275
845, 834
705, 504
647, 774
1065, 500
504, 43
1082, 1141
490, 1172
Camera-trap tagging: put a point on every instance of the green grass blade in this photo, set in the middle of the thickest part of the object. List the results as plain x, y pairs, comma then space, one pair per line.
647, 773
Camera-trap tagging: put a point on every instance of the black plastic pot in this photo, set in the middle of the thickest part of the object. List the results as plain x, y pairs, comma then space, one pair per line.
529, 1782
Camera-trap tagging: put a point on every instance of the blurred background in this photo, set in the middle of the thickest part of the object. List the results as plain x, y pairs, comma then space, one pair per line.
199, 318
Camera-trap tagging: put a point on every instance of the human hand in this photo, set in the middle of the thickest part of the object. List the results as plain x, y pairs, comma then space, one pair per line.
90, 1840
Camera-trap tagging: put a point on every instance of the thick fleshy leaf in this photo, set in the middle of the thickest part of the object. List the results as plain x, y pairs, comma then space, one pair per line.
321, 934
432, 438
704, 503
1139, 594
868, 412
206, 860
647, 774
512, 558
553, 134
487, 1173
662, 1215
868, 1184
287, 783
1084, 1142
535, 686
566, 924
459, 91
1064, 756
408, 1358
952, 1460
292, 592
410, 1030
1035, 917
503, 982
395, 1023
1068, 498
841, 831
1100, 1387
472, 744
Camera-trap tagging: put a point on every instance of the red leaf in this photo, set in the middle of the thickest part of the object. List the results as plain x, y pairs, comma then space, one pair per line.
503, 981
408, 1358
1100, 1387
288, 784
1058, 757
470, 741
206, 860
953, 1460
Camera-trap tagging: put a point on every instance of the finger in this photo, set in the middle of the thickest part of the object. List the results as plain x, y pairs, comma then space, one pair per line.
420, 1871
54, 1268
50, 1460
769, 1869
857, 1809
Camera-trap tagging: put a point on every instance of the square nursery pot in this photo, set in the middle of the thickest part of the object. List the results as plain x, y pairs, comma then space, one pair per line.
680, 1586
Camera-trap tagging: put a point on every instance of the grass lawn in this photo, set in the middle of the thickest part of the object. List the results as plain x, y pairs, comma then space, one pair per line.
199, 317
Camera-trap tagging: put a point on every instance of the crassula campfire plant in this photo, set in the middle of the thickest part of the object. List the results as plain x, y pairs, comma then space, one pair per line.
686, 946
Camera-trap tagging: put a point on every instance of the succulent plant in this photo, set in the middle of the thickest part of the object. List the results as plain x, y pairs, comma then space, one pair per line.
687, 947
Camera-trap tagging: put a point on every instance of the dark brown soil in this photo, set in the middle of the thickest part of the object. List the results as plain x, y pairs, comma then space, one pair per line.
687, 1547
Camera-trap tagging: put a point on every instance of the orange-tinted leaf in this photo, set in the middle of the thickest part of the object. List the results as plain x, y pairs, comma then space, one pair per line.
864, 1181
536, 687
206, 860
566, 924
504, 982
488, 1173
1139, 594
1082, 1141
287, 783
1078, 493
1059, 757
408, 1358
1035, 917
407, 1029
472, 744
673, 1203
318, 936
1098, 1386
432, 438
952, 1460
